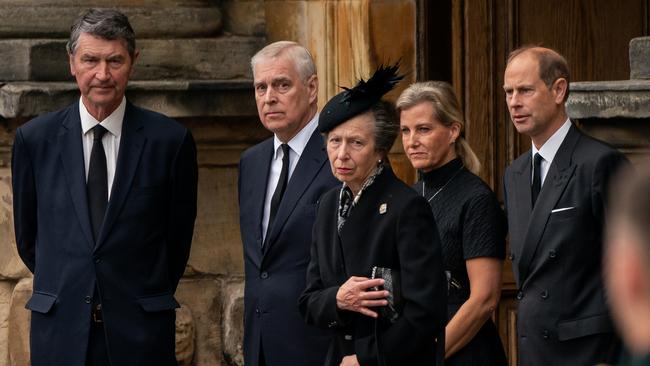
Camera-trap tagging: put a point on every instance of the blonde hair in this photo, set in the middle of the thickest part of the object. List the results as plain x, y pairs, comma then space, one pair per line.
446, 109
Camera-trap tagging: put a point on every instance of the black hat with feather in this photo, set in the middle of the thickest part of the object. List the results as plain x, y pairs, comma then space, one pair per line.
352, 102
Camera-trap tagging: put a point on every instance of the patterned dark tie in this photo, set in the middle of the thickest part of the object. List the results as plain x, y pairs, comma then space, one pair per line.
97, 184
537, 177
280, 188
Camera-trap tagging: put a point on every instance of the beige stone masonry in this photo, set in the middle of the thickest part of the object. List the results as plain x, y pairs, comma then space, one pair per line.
152, 21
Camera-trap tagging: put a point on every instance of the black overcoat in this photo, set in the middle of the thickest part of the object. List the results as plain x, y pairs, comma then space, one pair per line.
391, 226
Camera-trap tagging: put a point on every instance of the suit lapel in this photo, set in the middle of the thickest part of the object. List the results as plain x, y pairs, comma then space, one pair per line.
257, 175
72, 157
310, 163
131, 144
557, 178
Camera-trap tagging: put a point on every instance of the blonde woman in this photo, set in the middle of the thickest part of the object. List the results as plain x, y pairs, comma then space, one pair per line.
470, 222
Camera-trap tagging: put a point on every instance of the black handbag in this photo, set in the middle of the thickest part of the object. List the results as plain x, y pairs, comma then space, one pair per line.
392, 311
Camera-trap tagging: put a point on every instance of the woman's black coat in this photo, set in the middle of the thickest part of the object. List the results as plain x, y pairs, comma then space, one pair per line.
391, 226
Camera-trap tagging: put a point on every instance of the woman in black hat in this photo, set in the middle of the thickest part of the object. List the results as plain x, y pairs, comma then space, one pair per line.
375, 276
471, 224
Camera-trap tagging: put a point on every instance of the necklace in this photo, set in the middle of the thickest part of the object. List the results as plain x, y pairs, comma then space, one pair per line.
441, 188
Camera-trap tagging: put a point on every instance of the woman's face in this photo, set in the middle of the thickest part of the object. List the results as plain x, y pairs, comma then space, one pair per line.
351, 150
427, 142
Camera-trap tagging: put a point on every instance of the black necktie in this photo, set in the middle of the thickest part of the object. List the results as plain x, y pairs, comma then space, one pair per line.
537, 177
279, 189
97, 185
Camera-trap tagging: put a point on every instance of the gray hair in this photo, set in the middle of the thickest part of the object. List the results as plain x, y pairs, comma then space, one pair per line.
300, 56
108, 24
446, 109
386, 126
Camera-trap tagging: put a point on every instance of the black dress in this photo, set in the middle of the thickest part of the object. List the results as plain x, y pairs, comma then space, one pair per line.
471, 224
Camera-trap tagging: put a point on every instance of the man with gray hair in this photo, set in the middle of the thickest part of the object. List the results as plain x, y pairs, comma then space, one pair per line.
280, 182
104, 209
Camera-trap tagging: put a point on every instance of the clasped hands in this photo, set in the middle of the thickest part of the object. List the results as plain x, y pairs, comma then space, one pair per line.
355, 295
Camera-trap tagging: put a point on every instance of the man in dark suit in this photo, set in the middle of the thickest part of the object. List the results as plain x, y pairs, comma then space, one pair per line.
280, 181
556, 195
104, 209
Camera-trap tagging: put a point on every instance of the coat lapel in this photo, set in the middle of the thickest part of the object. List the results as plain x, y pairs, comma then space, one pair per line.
363, 217
131, 144
557, 178
72, 157
257, 174
310, 163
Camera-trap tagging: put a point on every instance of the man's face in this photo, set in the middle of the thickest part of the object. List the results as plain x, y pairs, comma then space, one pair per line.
533, 107
102, 69
285, 103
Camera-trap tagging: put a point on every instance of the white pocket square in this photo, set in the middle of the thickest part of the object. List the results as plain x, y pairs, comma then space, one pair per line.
562, 209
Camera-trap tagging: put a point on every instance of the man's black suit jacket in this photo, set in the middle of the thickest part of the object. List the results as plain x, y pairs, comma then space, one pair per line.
141, 251
556, 251
275, 273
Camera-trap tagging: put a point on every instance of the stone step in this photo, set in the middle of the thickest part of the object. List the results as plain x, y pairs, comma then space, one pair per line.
177, 99
196, 58
640, 58
148, 22
609, 99
109, 3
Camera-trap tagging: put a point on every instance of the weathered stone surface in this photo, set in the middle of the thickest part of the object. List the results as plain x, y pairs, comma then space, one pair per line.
19, 319
208, 58
200, 58
184, 336
54, 21
226, 132
233, 321
244, 17
10, 264
6, 289
631, 136
640, 58
180, 98
216, 248
609, 99
107, 3
203, 298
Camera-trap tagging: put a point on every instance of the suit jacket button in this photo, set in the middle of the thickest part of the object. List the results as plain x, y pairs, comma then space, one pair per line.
520, 295
264, 275
552, 254
257, 311
511, 257
544, 294
88, 299
545, 334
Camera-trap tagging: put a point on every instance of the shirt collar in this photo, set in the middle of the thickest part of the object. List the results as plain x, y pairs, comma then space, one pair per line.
552, 145
298, 142
113, 123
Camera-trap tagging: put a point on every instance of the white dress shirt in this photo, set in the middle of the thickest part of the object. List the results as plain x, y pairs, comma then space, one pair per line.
549, 149
110, 140
296, 146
